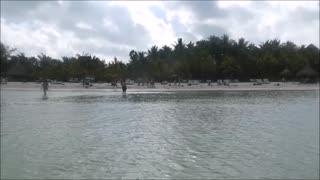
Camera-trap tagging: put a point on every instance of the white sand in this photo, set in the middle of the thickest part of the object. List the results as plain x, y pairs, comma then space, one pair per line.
242, 86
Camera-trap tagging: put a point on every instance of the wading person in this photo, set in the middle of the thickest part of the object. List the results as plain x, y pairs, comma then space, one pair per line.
124, 87
45, 87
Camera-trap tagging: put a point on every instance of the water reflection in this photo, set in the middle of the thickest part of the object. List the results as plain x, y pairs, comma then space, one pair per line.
160, 135
45, 97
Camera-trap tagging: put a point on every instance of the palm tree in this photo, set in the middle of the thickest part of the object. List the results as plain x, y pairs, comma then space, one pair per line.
5, 53
275, 42
242, 43
190, 45
141, 56
289, 45
165, 52
179, 46
153, 52
226, 41
44, 60
270, 45
133, 56
213, 39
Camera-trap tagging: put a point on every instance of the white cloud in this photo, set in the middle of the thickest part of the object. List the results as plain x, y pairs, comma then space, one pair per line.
83, 25
160, 31
113, 28
275, 19
41, 40
228, 4
110, 25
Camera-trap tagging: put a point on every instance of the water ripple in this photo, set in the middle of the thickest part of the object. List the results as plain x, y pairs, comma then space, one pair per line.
160, 135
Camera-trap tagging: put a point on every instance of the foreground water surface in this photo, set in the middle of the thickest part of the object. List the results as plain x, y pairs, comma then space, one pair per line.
98, 134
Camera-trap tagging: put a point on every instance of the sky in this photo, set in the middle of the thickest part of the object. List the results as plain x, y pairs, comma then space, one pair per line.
113, 28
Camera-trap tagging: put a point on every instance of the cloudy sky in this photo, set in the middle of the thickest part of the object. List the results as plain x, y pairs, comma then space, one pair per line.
108, 29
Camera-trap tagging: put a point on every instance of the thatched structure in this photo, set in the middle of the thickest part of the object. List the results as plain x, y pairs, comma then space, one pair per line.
18, 73
307, 74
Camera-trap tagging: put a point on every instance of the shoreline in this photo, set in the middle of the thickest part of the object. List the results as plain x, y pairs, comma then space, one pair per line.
106, 87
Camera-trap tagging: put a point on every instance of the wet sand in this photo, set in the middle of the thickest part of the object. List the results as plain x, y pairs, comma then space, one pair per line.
241, 86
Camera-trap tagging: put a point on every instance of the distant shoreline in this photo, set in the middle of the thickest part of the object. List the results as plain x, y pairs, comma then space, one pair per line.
241, 86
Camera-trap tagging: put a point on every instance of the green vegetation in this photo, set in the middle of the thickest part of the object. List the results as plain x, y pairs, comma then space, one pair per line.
210, 59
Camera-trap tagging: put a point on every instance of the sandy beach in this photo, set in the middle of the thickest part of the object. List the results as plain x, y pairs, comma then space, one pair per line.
241, 86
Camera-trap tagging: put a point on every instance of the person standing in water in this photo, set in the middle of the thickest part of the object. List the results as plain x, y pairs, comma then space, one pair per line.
45, 87
123, 86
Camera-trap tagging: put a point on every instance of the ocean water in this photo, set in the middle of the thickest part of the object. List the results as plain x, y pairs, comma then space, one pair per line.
104, 134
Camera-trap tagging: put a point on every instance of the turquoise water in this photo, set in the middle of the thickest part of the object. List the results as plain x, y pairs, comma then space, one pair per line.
103, 134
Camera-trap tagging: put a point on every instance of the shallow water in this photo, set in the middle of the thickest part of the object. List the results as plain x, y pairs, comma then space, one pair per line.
97, 134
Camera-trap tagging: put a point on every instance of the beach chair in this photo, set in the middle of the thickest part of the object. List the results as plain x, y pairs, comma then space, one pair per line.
266, 81
226, 82
129, 82
164, 82
4, 80
195, 82
258, 82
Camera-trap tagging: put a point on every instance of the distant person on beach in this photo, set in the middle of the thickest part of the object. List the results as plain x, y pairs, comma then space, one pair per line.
45, 87
152, 84
114, 84
123, 86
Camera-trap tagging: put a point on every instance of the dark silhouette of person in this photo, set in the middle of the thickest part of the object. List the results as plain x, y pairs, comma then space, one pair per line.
114, 84
123, 86
45, 87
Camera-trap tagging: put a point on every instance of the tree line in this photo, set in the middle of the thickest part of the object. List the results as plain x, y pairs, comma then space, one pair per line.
209, 59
